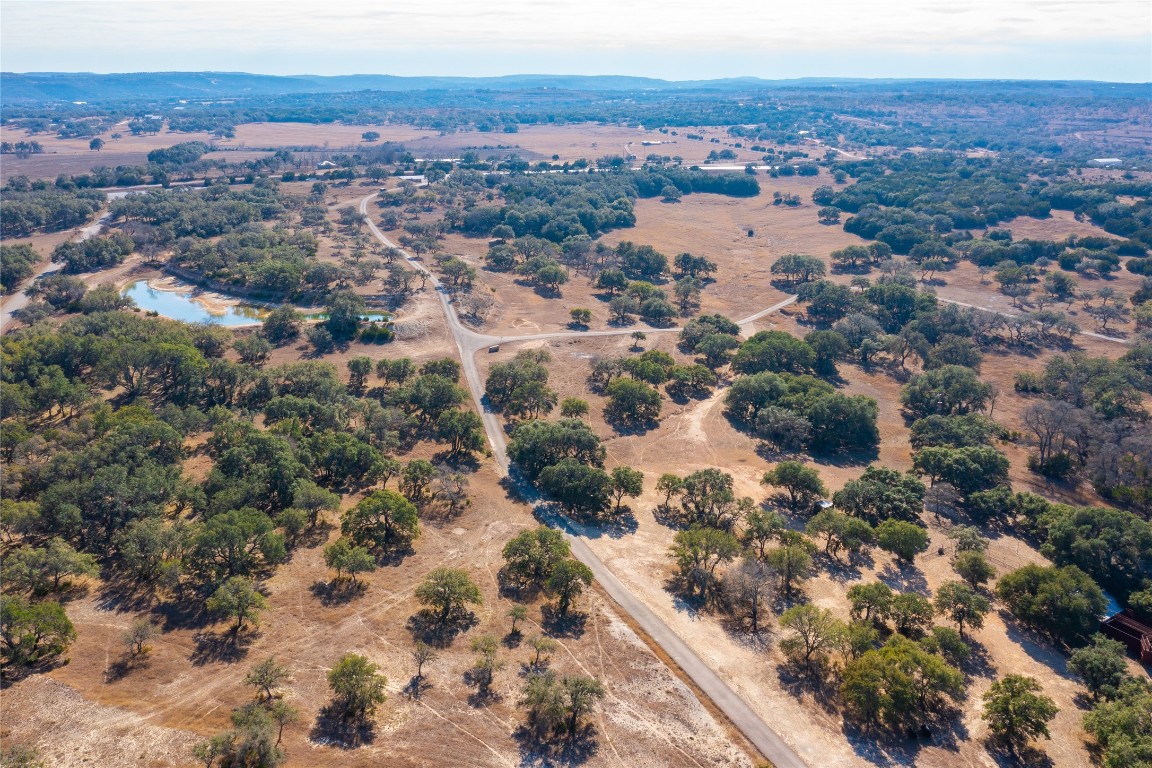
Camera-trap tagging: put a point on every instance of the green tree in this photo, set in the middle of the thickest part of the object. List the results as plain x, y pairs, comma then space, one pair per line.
539, 444
282, 324
543, 697
1064, 603
487, 663
904, 540
532, 555
383, 521
359, 368
344, 311
798, 267
947, 391
626, 482
631, 402
960, 603
139, 633
1120, 727
792, 561
567, 582
236, 543
448, 591
580, 317
1102, 666
814, 633
870, 602
775, 351
32, 633
968, 470
578, 487
574, 408
882, 493
268, 677
463, 430
580, 695
697, 552
974, 568
801, 483
707, 498
899, 685
910, 613
357, 687
253, 349
313, 499
44, 570
238, 599
343, 558
1016, 711
840, 531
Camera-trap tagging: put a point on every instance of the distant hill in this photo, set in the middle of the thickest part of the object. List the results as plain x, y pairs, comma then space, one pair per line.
86, 86
46, 87
43, 87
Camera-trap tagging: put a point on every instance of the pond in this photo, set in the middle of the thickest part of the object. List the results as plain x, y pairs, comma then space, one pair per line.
182, 304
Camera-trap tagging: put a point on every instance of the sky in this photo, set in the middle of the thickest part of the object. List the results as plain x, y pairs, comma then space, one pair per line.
672, 39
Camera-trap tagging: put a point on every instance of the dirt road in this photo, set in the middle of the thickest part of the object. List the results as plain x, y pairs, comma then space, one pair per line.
19, 300
468, 342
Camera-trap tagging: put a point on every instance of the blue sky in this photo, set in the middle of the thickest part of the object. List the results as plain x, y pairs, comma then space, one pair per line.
674, 39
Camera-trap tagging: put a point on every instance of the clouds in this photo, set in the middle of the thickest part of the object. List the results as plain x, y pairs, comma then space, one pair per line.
653, 37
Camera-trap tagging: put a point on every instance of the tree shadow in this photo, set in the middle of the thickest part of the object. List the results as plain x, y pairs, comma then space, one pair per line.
226, 647
839, 570
669, 516
1038, 646
571, 625
11, 674
337, 591
577, 749
425, 626
798, 682
886, 747
978, 663
182, 613
332, 729
462, 462
906, 579
124, 595
416, 686
632, 428
481, 697
125, 665
619, 525
1028, 756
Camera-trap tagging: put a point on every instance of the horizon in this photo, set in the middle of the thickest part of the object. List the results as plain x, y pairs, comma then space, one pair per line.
670, 39
529, 74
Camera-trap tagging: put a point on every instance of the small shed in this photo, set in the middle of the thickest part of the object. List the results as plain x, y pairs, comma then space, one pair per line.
1135, 635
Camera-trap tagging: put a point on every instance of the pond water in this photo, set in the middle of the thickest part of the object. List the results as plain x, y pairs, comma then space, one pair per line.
182, 305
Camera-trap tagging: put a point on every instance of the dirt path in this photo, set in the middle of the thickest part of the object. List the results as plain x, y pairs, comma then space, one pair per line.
1092, 334
18, 300
469, 342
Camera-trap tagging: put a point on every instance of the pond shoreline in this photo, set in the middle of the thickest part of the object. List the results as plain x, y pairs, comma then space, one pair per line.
170, 295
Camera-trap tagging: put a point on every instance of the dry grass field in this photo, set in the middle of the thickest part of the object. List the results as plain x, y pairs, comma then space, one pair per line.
83, 714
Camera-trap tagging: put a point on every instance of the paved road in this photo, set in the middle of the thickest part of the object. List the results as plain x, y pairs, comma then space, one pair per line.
735, 708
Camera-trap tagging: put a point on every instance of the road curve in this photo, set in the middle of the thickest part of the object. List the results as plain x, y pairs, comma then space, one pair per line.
17, 300
1091, 334
468, 342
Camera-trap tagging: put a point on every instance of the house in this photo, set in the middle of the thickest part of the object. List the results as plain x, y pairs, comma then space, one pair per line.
325, 164
1136, 635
